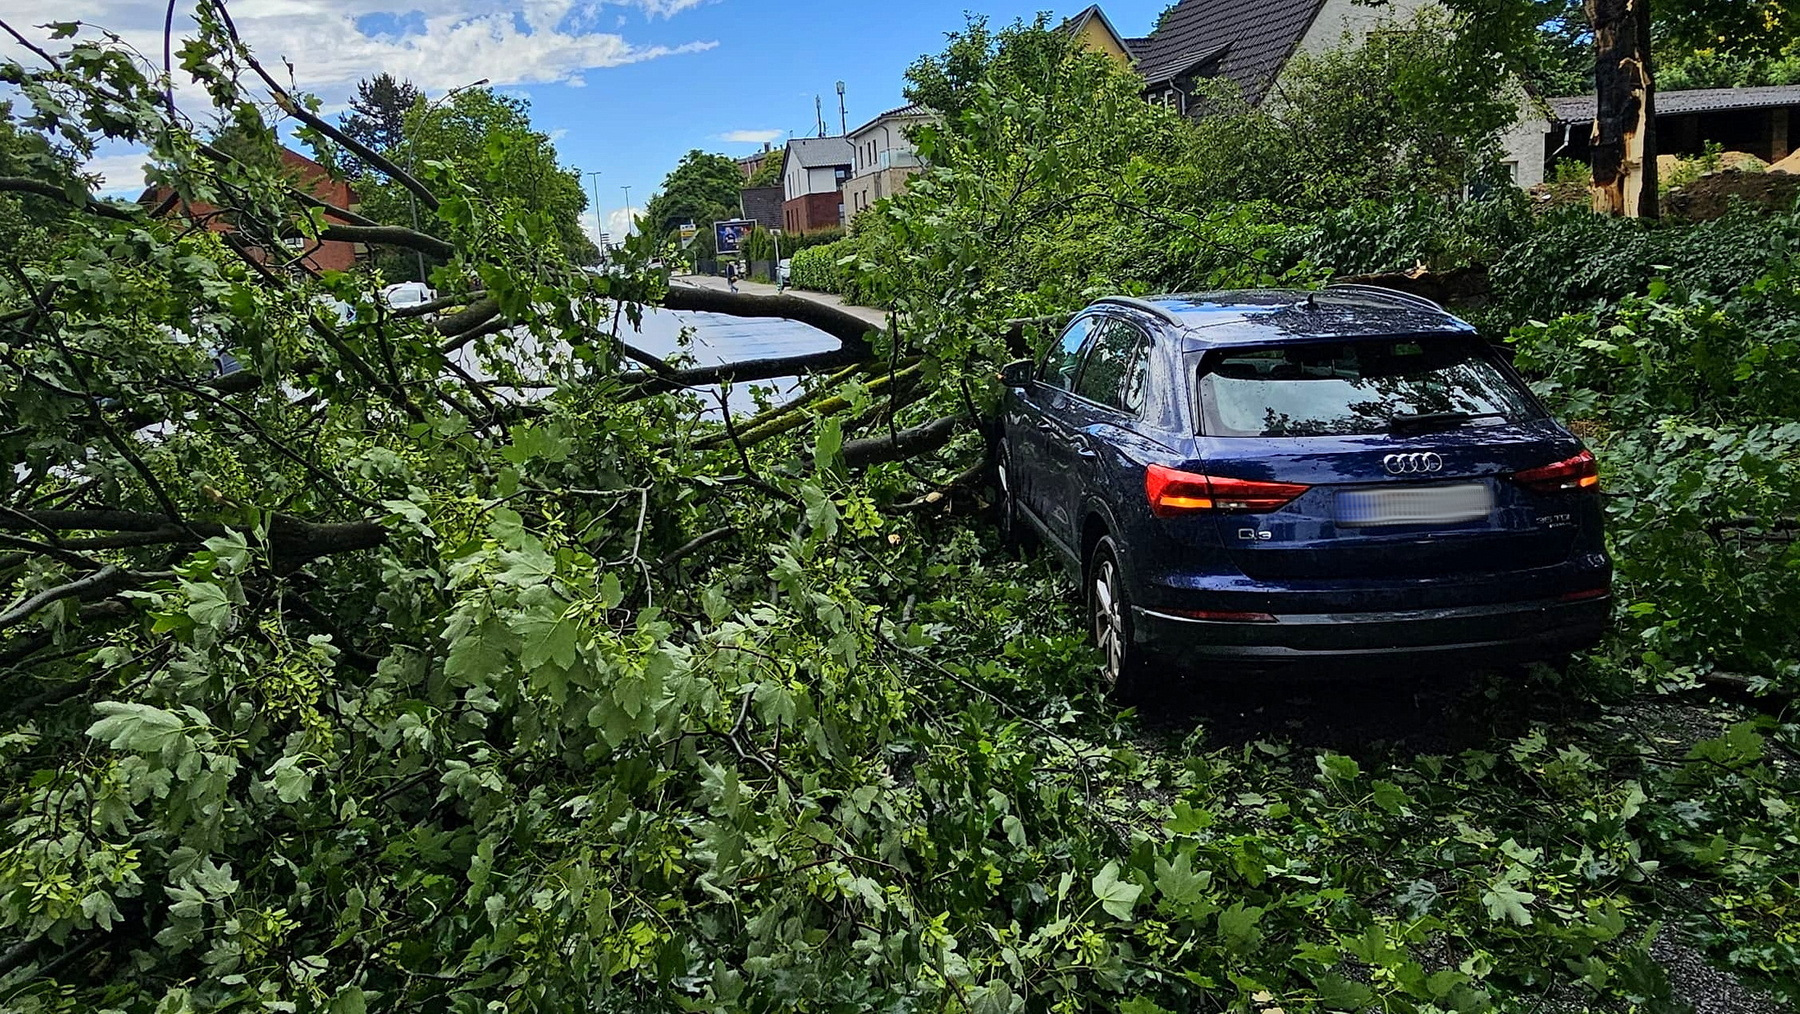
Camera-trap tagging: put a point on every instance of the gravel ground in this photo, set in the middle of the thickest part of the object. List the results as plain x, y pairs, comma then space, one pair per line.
1711, 990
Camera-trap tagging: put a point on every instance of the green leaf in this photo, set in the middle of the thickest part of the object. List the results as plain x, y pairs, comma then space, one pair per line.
1188, 819
1237, 925
350, 1001
1504, 901
1340, 993
1115, 895
1440, 984
1391, 797
612, 593
293, 783
545, 636
1338, 767
1178, 882
136, 727
830, 444
208, 605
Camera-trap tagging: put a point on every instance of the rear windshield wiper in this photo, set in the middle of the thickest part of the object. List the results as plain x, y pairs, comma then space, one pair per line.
1438, 420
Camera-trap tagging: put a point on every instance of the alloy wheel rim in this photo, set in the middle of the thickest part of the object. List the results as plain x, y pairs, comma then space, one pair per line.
1006, 498
1109, 620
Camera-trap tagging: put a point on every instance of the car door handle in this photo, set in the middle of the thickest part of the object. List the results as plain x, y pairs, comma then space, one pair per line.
1046, 426
1084, 447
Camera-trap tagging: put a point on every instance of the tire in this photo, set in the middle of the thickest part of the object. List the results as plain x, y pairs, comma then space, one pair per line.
1015, 531
1122, 661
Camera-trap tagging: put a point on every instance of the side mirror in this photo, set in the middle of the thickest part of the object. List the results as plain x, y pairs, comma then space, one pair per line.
1017, 373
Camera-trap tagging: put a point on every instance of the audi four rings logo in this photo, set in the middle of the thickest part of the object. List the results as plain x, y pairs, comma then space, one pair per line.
1413, 464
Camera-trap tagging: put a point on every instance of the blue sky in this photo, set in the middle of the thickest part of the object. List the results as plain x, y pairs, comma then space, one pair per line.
625, 87
634, 122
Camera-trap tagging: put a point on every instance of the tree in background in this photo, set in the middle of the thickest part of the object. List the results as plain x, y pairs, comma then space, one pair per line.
1726, 43
1017, 54
485, 142
1416, 110
702, 188
377, 118
768, 174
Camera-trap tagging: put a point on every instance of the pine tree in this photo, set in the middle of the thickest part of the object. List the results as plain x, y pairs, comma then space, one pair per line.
377, 117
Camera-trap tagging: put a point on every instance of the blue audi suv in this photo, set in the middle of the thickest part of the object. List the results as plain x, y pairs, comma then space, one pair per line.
1257, 478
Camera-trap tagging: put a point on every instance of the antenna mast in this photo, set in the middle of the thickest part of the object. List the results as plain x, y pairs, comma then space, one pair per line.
819, 113
843, 112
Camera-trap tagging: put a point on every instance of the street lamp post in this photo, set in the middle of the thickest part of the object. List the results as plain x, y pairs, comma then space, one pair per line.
628, 222
599, 223
412, 158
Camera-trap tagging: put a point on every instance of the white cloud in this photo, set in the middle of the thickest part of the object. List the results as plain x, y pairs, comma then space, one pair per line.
666, 8
436, 44
122, 173
616, 223
749, 136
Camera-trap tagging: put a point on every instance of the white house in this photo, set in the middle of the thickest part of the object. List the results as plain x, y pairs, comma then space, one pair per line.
813, 172
884, 158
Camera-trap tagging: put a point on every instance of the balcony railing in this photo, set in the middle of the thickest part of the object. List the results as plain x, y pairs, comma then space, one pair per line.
893, 158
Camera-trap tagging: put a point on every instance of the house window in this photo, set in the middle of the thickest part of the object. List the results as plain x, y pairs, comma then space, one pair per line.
840, 212
1512, 170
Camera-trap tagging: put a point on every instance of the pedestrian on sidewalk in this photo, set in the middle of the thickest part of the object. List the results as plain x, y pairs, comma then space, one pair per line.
731, 273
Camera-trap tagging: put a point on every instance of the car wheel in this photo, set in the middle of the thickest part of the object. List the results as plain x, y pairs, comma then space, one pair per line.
1014, 531
1109, 623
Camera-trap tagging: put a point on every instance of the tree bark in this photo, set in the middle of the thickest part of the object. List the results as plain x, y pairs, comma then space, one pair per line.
1623, 156
293, 541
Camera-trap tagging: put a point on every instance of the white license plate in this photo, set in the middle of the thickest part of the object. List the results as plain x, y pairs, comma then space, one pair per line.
1426, 505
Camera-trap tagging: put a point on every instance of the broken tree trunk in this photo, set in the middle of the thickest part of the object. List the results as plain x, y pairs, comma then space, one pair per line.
1624, 139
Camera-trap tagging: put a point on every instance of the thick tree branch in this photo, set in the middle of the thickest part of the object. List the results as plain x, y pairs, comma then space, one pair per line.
101, 582
849, 329
904, 444
26, 185
389, 235
292, 540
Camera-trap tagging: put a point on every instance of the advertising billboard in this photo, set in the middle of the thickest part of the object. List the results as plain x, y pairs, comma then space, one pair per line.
731, 235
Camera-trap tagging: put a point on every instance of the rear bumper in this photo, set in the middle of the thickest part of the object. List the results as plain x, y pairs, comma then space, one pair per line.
1508, 632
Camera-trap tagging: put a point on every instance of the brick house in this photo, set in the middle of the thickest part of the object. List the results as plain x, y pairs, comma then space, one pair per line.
308, 177
750, 165
812, 181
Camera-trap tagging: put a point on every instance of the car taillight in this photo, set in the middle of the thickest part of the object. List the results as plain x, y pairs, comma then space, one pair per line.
1175, 493
1581, 472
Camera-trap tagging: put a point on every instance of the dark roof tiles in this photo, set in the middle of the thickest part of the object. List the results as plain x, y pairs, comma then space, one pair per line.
818, 152
1252, 41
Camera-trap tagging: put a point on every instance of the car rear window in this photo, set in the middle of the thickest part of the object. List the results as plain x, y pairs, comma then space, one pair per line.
1353, 388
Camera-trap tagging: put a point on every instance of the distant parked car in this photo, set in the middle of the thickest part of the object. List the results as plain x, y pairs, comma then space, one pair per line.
404, 295
1245, 479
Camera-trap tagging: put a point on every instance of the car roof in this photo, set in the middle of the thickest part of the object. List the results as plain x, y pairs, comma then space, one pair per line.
1206, 320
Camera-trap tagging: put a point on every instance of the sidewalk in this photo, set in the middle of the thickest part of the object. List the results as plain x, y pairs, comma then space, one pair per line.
873, 317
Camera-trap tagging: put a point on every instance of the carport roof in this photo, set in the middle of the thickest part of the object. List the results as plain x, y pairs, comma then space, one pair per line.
1580, 108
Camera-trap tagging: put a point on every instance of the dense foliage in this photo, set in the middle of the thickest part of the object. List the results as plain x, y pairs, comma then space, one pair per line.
483, 140
360, 682
700, 190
